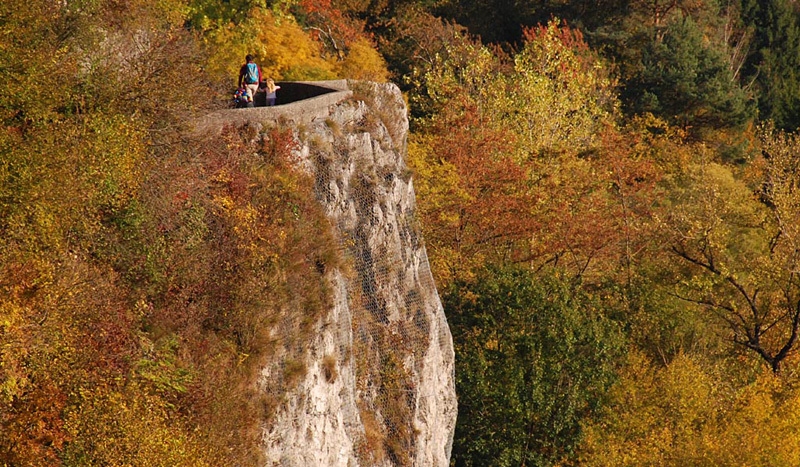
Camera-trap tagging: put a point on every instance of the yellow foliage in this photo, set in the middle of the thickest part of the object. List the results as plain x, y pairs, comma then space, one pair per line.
686, 414
558, 95
712, 207
438, 183
655, 139
129, 427
284, 51
13, 351
226, 52
169, 12
363, 62
281, 48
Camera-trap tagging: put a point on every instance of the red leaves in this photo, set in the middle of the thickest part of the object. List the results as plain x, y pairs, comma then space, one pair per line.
330, 25
569, 37
34, 428
488, 207
587, 214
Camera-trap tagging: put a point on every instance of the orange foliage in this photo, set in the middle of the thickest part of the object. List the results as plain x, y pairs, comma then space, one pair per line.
143, 341
589, 215
484, 208
245, 247
330, 25
33, 427
569, 37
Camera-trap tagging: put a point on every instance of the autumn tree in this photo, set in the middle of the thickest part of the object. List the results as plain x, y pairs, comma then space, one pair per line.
739, 245
308, 40
73, 150
522, 171
329, 25
559, 94
691, 412
139, 267
478, 206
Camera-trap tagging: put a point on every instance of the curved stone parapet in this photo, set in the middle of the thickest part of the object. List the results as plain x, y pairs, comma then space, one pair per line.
294, 91
299, 102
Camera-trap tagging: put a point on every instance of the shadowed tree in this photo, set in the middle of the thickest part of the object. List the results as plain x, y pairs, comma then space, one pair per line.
688, 81
775, 59
533, 358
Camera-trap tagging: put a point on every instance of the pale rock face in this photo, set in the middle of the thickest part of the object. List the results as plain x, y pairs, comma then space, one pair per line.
382, 359
320, 421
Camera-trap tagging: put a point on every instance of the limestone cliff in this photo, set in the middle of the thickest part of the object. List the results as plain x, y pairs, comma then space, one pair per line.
379, 386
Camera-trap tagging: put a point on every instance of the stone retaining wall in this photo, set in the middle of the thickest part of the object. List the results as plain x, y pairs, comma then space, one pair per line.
298, 102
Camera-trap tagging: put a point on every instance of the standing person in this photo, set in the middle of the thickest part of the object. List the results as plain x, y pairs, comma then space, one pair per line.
250, 76
271, 92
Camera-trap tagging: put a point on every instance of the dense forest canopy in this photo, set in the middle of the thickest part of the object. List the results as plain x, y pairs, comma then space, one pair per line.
608, 192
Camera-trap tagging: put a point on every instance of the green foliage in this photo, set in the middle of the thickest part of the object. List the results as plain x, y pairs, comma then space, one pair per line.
533, 359
662, 326
711, 74
774, 60
648, 213
739, 251
688, 81
207, 15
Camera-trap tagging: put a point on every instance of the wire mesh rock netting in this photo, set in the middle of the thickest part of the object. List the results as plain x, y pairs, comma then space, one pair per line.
386, 334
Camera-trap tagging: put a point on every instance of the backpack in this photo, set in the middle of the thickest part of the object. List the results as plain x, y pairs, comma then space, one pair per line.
242, 98
251, 77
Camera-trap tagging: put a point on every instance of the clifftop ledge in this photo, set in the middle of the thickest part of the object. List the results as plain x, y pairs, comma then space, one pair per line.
379, 388
298, 102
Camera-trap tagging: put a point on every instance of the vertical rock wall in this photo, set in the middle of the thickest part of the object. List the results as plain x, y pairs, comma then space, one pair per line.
379, 387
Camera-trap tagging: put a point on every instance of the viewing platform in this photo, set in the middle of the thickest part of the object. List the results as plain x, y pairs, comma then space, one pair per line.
297, 101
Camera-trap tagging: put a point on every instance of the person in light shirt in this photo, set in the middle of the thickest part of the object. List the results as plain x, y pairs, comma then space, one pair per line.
271, 90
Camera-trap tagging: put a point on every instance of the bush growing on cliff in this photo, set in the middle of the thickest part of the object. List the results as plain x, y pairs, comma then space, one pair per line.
140, 272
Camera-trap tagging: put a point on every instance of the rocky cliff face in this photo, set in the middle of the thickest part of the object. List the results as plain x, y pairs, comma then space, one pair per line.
378, 387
